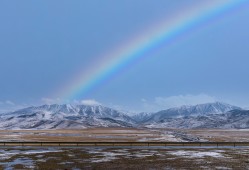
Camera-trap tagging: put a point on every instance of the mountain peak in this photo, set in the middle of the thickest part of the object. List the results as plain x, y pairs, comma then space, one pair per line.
186, 110
215, 107
66, 116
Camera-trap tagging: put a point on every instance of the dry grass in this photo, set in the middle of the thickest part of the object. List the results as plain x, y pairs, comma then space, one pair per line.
122, 135
87, 135
78, 157
221, 135
69, 158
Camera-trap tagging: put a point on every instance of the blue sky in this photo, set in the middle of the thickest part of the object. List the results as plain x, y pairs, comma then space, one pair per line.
43, 44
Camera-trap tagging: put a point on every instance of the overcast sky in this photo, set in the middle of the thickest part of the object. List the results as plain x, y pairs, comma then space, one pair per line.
44, 43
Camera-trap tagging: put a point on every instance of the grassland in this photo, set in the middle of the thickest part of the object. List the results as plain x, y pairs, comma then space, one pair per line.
54, 157
124, 158
92, 135
126, 135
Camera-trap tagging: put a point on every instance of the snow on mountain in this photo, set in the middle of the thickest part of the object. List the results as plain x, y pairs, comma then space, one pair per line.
141, 117
64, 116
201, 109
235, 119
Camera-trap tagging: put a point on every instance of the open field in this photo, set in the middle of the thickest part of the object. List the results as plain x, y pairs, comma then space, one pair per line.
186, 154
126, 135
125, 144
123, 158
92, 135
220, 135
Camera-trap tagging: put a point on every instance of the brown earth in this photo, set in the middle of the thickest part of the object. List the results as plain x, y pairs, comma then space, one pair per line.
123, 135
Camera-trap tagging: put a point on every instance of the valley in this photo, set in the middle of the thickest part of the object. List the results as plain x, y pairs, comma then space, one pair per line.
210, 122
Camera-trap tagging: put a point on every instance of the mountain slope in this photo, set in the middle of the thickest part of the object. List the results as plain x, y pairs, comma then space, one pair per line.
210, 115
235, 119
64, 116
201, 109
141, 117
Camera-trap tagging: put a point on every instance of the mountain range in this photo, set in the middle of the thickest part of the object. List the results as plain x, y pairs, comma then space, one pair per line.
66, 116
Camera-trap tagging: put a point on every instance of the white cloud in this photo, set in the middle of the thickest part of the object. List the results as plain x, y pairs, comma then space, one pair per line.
128, 110
75, 102
143, 100
174, 101
90, 102
160, 103
51, 101
115, 106
8, 106
8, 102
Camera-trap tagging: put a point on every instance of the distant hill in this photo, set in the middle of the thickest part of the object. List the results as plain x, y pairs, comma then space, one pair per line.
64, 117
200, 109
235, 119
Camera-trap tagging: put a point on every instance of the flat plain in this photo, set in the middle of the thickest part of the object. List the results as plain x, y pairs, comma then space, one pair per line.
127, 135
124, 157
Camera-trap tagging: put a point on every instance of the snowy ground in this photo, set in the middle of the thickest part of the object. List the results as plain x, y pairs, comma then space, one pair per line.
123, 158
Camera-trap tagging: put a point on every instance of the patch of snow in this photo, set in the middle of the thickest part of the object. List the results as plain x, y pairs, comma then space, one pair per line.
27, 163
107, 156
222, 168
196, 154
163, 138
6, 154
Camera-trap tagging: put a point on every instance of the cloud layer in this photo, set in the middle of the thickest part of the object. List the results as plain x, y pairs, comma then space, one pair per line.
90, 102
59, 101
7, 106
160, 103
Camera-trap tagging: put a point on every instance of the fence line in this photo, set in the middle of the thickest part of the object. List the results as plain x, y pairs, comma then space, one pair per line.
37, 143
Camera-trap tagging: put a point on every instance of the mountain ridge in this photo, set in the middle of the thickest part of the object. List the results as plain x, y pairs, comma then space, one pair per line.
188, 110
64, 116
67, 116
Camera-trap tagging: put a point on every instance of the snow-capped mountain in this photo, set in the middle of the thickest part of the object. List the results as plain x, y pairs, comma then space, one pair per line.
141, 117
235, 119
64, 116
197, 110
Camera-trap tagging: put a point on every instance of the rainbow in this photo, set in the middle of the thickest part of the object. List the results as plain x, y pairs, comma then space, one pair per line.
127, 53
